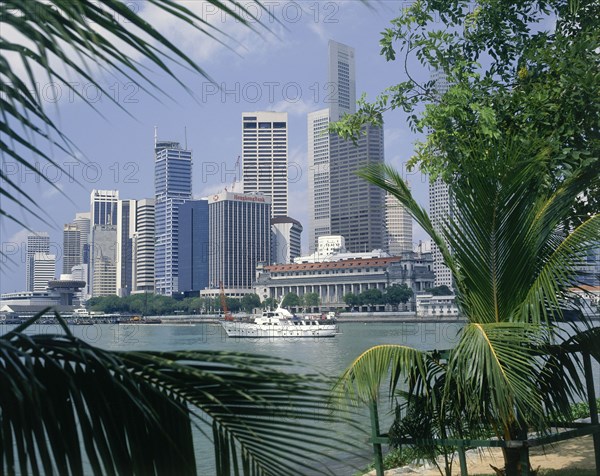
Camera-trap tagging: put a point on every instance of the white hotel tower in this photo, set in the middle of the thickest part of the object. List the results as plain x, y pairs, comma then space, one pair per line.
265, 157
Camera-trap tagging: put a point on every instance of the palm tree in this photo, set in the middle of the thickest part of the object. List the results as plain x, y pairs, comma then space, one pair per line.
67, 407
512, 261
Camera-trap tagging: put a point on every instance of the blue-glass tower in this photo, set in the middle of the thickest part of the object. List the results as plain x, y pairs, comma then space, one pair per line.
193, 246
172, 186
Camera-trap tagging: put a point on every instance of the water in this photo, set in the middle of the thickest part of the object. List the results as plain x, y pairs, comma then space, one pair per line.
329, 355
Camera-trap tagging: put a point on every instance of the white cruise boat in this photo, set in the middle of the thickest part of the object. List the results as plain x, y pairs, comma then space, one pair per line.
280, 323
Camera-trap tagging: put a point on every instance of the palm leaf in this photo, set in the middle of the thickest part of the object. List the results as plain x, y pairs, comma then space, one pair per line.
56, 36
66, 406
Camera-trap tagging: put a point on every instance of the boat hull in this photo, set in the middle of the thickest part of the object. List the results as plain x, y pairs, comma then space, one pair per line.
251, 330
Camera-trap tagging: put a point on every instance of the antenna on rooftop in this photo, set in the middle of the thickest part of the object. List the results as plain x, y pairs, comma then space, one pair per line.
185, 137
155, 135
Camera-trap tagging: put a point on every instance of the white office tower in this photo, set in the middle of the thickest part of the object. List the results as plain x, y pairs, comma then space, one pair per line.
143, 247
285, 239
318, 177
399, 227
44, 270
341, 80
440, 205
239, 237
265, 157
38, 242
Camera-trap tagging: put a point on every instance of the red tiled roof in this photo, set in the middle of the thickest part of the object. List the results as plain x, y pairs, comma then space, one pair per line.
344, 264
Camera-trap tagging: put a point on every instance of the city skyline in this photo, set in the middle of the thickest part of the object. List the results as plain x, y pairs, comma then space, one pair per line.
269, 76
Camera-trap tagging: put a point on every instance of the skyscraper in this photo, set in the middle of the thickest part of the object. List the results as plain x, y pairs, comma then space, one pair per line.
82, 222
44, 270
342, 82
440, 203
265, 157
240, 238
126, 220
172, 186
103, 258
318, 177
193, 245
143, 247
340, 203
285, 240
103, 207
399, 228
71, 252
38, 242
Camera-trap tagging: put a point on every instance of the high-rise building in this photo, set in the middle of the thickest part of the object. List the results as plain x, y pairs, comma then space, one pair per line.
399, 227
103, 258
340, 202
357, 206
44, 270
341, 80
71, 252
285, 239
172, 186
103, 207
265, 157
318, 177
193, 246
440, 202
143, 247
82, 222
126, 219
38, 242
240, 238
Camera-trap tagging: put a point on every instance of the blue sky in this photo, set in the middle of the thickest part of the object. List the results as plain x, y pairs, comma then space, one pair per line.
281, 70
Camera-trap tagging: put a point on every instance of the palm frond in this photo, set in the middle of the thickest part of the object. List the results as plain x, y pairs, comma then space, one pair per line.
66, 405
59, 41
362, 380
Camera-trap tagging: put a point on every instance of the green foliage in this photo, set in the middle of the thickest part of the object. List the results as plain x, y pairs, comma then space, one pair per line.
582, 409
442, 290
57, 392
311, 299
397, 293
509, 72
371, 297
351, 300
249, 302
269, 303
513, 262
291, 300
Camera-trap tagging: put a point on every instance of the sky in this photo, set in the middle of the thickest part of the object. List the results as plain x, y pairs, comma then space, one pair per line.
283, 68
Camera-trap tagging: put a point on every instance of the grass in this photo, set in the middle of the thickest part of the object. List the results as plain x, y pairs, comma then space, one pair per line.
558, 472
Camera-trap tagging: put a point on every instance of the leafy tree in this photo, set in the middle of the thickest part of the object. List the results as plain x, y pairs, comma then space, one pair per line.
269, 303
371, 297
512, 261
351, 300
311, 299
291, 300
442, 290
58, 391
397, 293
250, 302
526, 69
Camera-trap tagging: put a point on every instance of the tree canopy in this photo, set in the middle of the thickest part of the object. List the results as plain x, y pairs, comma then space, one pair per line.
529, 69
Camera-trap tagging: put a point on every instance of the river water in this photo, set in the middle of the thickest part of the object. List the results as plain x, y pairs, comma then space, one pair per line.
327, 355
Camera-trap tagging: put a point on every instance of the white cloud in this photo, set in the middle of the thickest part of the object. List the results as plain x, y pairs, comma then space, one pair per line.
296, 108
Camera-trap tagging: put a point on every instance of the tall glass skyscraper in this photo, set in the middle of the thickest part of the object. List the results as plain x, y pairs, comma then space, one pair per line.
172, 187
193, 246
